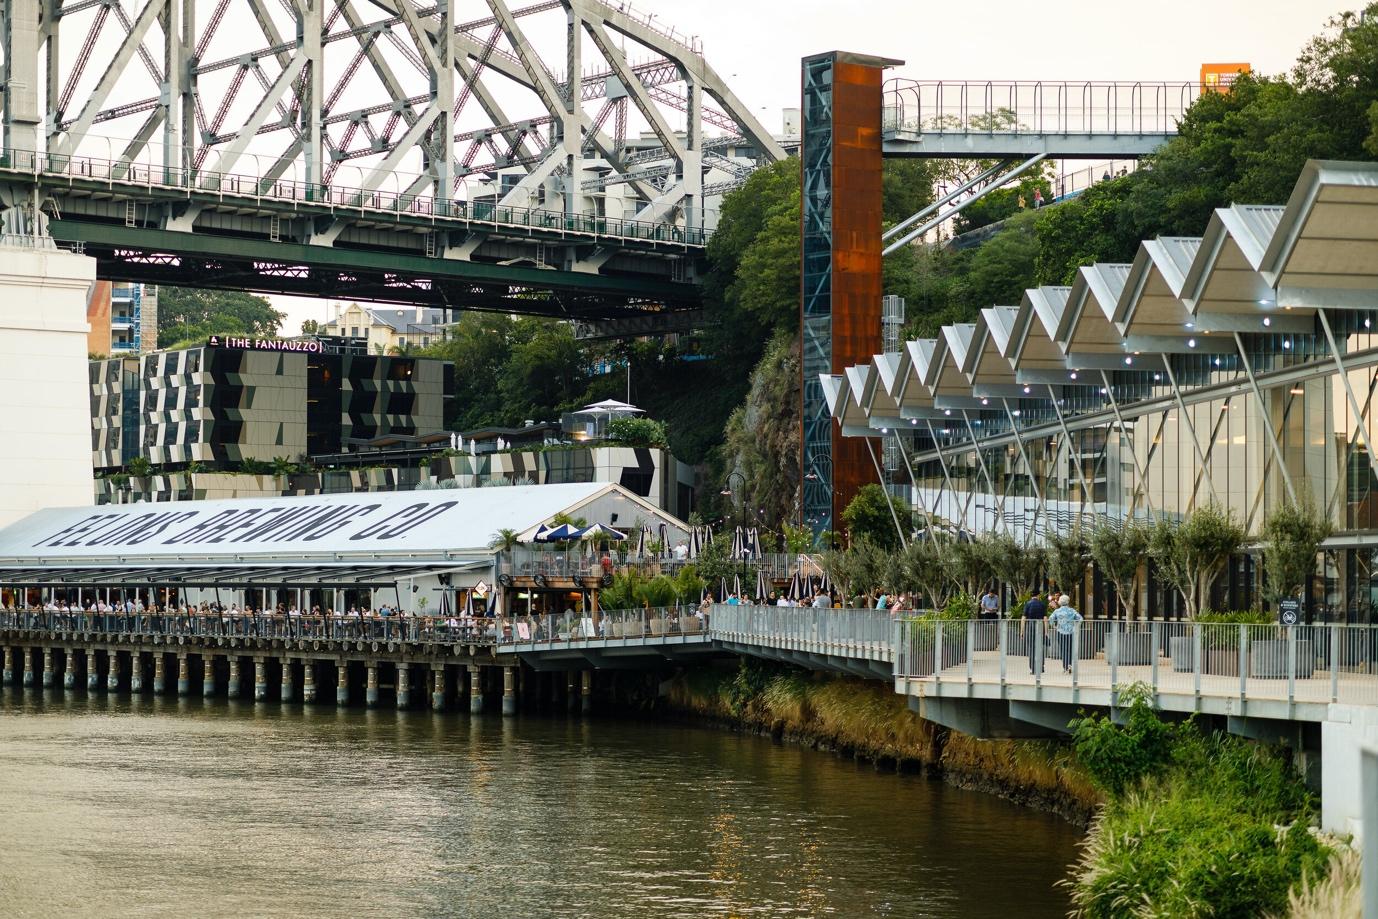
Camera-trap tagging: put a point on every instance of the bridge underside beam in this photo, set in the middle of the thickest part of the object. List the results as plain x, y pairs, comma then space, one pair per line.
1010, 146
378, 275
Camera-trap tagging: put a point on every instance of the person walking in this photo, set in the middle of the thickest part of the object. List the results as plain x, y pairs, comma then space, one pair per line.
1064, 621
1035, 616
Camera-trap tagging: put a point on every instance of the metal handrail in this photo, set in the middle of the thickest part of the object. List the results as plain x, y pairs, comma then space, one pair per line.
112, 173
1036, 107
428, 630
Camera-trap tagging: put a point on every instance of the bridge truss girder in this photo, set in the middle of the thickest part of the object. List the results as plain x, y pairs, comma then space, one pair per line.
382, 85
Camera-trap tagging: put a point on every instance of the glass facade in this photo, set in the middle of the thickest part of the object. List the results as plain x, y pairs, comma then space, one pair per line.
1214, 441
817, 233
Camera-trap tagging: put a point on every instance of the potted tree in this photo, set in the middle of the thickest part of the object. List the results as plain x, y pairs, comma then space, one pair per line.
1118, 547
1292, 537
1191, 554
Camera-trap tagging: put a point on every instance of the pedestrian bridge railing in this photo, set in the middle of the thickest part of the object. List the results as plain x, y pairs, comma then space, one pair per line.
1291, 665
857, 634
946, 107
573, 629
165, 627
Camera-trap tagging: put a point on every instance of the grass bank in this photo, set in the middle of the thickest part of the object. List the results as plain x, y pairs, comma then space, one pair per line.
867, 720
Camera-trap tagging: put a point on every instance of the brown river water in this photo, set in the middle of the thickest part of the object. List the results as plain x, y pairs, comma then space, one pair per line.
152, 807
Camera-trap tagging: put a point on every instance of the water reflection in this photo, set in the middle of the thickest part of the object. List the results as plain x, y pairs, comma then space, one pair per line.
174, 807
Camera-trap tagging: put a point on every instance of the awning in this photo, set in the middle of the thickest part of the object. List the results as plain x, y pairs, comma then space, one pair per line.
228, 575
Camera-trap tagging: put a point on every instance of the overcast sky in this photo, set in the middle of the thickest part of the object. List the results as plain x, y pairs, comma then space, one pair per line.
756, 45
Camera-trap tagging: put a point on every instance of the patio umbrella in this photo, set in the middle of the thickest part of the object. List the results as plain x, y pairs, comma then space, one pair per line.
612, 405
738, 543
664, 541
754, 542
560, 533
737, 584
795, 591
722, 590
762, 587
694, 542
603, 531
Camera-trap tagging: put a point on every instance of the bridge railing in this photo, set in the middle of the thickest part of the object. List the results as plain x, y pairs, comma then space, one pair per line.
630, 624
860, 633
82, 626
1301, 663
115, 173
944, 107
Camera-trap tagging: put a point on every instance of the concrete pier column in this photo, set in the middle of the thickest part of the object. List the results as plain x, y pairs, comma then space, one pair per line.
308, 680
509, 690
232, 685
586, 692
47, 676
475, 690
207, 676
288, 685
260, 679
112, 677
92, 670
403, 686
159, 678
9, 664
439, 687
183, 675
28, 665
136, 672
342, 687
69, 671
371, 687
571, 691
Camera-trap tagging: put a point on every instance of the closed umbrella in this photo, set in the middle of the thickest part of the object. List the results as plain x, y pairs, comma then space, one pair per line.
737, 585
694, 542
762, 587
664, 541
738, 543
754, 542
795, 591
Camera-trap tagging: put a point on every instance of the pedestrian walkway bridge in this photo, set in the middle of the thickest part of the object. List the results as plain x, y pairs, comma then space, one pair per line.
1076, 120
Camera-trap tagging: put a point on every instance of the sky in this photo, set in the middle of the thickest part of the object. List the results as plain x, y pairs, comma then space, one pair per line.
756, 45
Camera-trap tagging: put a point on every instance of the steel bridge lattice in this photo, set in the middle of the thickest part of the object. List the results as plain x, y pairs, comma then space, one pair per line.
192, 141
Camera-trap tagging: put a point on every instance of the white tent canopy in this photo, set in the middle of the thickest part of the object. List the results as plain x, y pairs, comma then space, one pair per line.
422, 527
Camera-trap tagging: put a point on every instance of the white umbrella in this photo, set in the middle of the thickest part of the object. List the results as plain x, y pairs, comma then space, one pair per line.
608, 406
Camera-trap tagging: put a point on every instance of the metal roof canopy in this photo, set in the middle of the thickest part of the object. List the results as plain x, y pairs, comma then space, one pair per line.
1325, 248
230, 575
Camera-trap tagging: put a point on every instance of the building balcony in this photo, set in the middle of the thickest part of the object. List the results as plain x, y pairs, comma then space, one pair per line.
122, 322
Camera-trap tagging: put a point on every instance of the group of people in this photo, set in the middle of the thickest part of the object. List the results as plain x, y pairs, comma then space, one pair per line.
1054, 616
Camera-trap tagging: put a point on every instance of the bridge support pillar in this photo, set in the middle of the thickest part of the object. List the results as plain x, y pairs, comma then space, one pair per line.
136, 671
371, 687
439, 688
571, 691
509, 690
159, 680
232, 685
475, 689
586, 692
308, 680
43, 332
403, 686
183, 674
260, 679
9, 664
342, 686
207, 676
112, 676
47, 667
288, 685
92, 670
28, 666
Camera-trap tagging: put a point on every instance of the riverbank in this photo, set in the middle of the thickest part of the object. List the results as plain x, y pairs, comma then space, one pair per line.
867, 720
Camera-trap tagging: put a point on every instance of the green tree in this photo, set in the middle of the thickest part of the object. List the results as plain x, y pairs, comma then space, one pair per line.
1118, 546
868, 516
310, 327
187, 314
1292, 536
545, 370
1191, 553
761, 439
906, 187
1014, 563
637, 432
1068, 553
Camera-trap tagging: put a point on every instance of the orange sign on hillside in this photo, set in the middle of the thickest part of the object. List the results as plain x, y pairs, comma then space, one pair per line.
1216, 78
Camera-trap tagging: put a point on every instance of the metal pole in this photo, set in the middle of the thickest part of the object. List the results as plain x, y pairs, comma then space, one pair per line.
918, 492
1368, 794
1191, 429
888, 503
952, 491
1033, 479
1134, 453
1267, 422
1349, 390
1067, 435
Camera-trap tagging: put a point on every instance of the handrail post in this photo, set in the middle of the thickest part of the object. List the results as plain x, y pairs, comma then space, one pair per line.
1156, 636
1243, 661
1002, 625
1115, 658
1291, 665
971, 645
1335, 634
937, 652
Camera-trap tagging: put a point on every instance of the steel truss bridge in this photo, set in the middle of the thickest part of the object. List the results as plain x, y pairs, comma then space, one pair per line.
388, 150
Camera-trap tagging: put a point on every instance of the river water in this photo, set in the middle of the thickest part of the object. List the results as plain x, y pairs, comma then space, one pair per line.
111, 806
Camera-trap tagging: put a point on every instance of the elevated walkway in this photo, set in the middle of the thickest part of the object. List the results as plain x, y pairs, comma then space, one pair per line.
1018, 120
